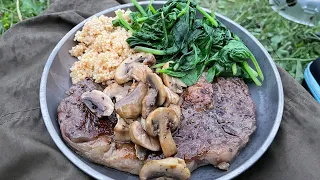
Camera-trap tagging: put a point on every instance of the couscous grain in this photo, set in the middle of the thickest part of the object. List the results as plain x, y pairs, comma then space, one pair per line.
101, 48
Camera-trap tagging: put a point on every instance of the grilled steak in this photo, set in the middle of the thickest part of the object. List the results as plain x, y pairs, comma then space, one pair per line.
217, 121
75, 120
92, 137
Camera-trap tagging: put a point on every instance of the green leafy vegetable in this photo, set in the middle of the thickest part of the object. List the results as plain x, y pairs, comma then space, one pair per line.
174, 33
140, 8
151, 8
123, 22
211, 19
234, 69
290, 44
193, 75
149, 50
211, 74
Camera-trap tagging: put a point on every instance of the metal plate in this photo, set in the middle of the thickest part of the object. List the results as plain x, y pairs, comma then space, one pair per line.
268, 99
305, 12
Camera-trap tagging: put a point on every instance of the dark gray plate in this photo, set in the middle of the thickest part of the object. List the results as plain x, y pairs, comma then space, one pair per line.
268, 99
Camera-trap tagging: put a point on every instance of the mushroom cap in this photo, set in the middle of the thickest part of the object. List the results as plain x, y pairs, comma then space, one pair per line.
172, 97
139, 136
155, 82
132, 67
161, 122
173, 83
117, 91
169, 167
122, 73
139, 71
130, 106
161, 115
99, 103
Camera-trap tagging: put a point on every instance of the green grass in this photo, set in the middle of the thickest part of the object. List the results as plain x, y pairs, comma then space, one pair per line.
11, 14
290, 44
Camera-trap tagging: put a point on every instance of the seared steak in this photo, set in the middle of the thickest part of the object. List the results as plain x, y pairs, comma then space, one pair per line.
76, 122
217, 121
92, 137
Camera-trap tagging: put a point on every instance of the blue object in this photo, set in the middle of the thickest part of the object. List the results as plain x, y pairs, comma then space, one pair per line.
311, 79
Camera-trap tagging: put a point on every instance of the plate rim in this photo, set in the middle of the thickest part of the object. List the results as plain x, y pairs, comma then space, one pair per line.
94, 173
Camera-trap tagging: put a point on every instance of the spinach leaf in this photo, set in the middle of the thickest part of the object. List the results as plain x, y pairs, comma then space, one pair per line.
173, 33
211, 73
172, 73
236, 51
193, 75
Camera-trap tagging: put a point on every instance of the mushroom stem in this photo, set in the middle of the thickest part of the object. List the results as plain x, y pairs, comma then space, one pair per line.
167, 143
161, 122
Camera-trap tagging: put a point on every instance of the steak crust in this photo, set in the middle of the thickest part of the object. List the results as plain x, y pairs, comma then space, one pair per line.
217, 122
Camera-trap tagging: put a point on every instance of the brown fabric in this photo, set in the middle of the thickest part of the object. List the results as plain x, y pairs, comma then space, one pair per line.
28, 152
294, 154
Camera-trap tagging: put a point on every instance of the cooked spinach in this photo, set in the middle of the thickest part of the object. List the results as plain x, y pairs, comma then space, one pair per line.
174, 33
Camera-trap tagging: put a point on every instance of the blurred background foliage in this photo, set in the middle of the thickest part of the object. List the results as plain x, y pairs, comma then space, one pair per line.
291, 45
11, 9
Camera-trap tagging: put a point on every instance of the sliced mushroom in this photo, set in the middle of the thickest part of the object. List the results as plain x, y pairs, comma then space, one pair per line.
139, 71
162, 122
174, 168
145, 58
130, 106
139, 136
155, 82
132, 68
149, 59
155, 96
109, 82
116, 91
149, 102
131, 71
99, 103
172, 97
176, 109
173, 83
143, 123
133, 86
141, 152
121, 130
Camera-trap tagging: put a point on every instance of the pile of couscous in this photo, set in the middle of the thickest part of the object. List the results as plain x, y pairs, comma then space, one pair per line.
101, 48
